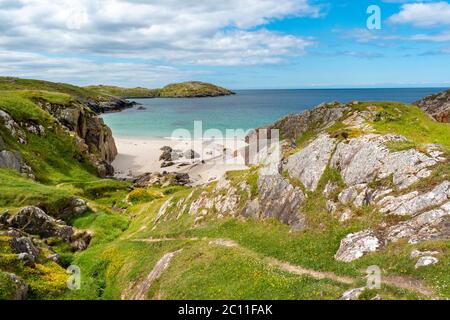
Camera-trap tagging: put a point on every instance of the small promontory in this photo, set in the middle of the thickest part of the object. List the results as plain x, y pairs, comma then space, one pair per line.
190, 89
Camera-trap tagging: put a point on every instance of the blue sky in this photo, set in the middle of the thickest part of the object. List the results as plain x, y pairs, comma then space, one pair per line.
236, 43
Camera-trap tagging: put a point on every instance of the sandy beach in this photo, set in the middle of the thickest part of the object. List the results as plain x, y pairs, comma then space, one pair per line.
139, 156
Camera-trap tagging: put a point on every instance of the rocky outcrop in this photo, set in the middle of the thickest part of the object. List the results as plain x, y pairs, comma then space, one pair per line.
309, 164
375, 174
108, 104
414, 202
14, 129
278, 199
35, 221
152, 179
316, 119
437, 105
93, 137
13, 160
25, 248
355, 245
367, 158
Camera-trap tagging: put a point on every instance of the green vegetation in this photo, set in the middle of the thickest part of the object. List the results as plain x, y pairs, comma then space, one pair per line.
177, 90
410, 122
10, 84
128, 93
193, 89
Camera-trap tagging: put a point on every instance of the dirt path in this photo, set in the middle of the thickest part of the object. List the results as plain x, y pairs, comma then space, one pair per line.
320, 275
408, 283
402, 282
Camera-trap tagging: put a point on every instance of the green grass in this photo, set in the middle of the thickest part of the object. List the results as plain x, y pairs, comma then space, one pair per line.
410, 122
15, 84
176, 90
125, 92
192, 89
17, 191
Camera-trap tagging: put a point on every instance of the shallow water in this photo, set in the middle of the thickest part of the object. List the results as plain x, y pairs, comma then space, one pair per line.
246, 110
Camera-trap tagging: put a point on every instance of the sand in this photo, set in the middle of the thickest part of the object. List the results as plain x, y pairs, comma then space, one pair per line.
139, 156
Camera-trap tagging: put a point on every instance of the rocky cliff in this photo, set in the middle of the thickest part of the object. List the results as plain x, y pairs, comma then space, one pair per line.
93, 137
437, 105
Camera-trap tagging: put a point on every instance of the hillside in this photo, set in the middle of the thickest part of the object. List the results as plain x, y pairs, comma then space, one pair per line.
127, 93
192, 89
358, 185
97, 101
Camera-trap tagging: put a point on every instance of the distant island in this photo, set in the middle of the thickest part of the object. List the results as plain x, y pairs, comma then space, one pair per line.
190, 89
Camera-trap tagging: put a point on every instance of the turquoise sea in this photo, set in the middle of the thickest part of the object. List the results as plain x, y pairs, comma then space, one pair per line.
246, 110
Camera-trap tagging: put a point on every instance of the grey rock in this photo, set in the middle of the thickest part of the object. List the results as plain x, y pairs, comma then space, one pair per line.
2, 144
331, 206
14, 129
4, 217
355, 245
26, 258
13, 160
345, 215
36, 222
167, 164
21, 288
417, 253
251, 209
72, 208
352, 294
94, 138
330, 187
25, 246
437, 105
10, 160
430, 225
279, 199
166, 154
320, 117
413, 203
54, 257
80, 240
426, 261
148, 180
104, 169
309, 164
365, 159
191, 154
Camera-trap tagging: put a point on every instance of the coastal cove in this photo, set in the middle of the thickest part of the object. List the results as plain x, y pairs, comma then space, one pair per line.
141, 132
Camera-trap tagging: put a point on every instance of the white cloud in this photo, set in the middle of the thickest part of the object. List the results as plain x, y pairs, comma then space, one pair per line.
84, 72
181, 31
434, 37
423, 14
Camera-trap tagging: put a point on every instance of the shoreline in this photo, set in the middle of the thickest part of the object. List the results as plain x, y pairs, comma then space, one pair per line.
137, 156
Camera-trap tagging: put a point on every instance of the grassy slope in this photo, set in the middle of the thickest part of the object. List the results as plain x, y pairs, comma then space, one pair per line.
9, 83
125, 92
176, 90
58, 177
193, 89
